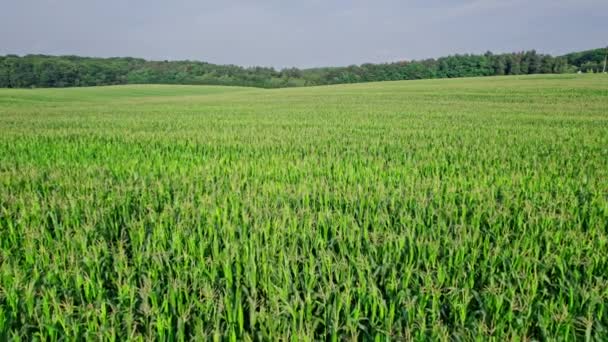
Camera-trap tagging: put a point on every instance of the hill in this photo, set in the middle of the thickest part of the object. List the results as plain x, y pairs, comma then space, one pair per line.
588, 61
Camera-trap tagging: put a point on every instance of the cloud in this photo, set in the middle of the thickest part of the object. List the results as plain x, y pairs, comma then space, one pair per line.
304, 33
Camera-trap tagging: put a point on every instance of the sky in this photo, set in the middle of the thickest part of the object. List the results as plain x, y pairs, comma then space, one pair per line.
286, 33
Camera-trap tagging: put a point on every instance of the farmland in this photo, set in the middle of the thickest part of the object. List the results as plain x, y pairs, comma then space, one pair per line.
435, 209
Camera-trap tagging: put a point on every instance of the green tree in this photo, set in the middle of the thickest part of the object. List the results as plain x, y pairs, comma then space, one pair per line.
532, 62
4, 74
513, 64
21, 74
547, 65
499, 65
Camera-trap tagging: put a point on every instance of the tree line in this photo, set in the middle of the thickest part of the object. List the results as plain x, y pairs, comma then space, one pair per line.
72, 71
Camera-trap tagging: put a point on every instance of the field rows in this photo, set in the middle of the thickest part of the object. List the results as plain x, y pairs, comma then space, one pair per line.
447, 209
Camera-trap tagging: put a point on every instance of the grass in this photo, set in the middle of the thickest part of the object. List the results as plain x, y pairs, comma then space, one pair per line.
425, 210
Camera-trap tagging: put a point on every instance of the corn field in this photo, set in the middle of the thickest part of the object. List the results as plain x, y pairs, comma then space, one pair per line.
464, 209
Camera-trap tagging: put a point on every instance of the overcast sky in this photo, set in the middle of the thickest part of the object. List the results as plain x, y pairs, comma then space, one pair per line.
284, 33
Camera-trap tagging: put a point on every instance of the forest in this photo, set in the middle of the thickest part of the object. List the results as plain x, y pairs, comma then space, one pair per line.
42, 71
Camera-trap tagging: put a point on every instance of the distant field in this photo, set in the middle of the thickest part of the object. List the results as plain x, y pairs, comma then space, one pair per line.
425, 210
